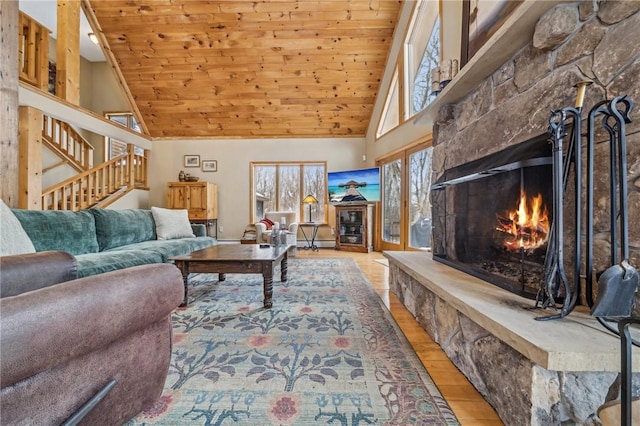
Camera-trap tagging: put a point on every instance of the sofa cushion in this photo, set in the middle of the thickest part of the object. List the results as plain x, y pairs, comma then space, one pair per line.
13, 238
116, 228
169, 248
171, 223
74, 232
98, 263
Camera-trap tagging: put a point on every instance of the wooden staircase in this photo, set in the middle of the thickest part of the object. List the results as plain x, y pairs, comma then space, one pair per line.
98, 186
92, 186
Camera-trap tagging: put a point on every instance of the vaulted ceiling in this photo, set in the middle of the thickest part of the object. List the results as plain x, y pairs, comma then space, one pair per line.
252, 69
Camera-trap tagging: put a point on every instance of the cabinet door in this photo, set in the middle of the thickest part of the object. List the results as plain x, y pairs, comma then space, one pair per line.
198, 201
178, 197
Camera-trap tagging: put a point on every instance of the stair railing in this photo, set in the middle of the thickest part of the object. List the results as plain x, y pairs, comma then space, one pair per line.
68, 143
86, 189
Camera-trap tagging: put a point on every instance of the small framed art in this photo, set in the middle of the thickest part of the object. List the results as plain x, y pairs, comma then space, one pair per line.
192, 161
209, 166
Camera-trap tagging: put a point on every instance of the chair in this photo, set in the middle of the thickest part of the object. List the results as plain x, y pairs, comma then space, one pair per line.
95, 349
263, 235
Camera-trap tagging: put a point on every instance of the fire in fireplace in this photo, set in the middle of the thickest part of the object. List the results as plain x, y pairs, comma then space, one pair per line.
527, 226
492, 216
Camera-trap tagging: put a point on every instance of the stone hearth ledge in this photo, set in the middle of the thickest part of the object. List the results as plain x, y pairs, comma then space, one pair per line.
574, 343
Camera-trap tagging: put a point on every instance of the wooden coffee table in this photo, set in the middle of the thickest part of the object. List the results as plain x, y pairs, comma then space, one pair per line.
235, 258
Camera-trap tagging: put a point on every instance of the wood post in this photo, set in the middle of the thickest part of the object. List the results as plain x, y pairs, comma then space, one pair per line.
9, 102
68, 51
30, 159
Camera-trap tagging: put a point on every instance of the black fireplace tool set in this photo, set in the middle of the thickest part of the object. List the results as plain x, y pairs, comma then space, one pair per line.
617, 285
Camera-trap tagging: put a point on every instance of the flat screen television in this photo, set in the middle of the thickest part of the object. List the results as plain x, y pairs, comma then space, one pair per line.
354, 186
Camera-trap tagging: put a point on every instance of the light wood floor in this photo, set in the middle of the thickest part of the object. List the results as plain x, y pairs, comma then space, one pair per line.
467, 404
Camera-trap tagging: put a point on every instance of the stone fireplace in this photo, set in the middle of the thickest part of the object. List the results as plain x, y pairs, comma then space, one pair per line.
494, 216
532, 372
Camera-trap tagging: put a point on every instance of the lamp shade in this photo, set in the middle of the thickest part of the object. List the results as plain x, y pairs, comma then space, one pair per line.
310, 199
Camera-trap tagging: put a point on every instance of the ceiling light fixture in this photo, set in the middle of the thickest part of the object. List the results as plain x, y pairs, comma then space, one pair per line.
94, 38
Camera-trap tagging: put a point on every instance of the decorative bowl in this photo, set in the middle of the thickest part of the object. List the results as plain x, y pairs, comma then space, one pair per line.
192, 178
352, 240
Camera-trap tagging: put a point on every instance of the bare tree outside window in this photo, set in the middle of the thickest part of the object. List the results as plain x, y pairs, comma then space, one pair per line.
314, 184
420, 208
281, 187
391, 205
289, 188
264, 178
422, 95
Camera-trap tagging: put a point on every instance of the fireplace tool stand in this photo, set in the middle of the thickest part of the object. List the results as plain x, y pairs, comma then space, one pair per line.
618, 284
555, 280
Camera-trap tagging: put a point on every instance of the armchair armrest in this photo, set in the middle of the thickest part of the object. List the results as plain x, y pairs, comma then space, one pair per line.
27, 272
48, 327
261, 229
293, 228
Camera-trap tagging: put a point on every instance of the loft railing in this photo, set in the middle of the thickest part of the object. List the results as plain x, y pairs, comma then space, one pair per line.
87, 189
33, 52
69, 144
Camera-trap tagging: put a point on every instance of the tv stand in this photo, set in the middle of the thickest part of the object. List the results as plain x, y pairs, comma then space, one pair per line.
354, 227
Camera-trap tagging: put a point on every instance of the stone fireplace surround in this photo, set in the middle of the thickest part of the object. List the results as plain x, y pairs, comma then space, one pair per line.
532, 372
535, 373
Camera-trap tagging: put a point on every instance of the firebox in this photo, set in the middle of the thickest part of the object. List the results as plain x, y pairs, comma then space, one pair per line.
492, 216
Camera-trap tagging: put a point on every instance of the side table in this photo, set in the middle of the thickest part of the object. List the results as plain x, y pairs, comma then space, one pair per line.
313, 232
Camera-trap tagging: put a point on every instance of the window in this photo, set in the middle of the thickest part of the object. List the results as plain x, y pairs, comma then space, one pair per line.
422, 52
406, 205
410, 89
114, 147
421, 94
391, 112
282, 186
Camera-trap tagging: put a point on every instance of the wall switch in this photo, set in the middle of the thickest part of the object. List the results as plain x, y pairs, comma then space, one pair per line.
221, 228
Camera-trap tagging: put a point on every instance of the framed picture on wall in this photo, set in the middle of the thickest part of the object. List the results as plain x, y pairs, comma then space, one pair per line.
480, 20
209, 166
192, 161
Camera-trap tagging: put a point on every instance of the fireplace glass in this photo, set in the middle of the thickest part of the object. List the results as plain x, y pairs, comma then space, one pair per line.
492, 218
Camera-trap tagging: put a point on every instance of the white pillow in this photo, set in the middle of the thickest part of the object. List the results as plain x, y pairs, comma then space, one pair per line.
171, 223
13, 238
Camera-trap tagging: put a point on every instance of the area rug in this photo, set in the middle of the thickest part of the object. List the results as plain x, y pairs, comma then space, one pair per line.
328, 352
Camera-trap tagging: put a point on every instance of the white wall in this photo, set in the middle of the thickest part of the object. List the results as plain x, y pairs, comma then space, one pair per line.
234, 157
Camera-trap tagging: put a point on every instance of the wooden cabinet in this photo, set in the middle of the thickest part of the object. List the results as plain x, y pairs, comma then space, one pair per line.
199, 198
354, 227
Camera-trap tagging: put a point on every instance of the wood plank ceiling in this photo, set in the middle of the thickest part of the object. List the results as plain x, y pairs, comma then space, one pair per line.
252, 69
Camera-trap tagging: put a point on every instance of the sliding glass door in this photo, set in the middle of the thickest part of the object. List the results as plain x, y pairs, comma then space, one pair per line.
419, 214
406, 207
392, 202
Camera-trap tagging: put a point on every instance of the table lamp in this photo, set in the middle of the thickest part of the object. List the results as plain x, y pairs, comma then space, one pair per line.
310, 199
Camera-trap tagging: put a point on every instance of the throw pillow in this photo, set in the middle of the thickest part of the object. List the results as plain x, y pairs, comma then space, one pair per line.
13, 238
267, 222
171, 223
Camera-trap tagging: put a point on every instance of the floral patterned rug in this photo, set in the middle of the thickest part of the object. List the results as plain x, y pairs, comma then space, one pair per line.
328, 352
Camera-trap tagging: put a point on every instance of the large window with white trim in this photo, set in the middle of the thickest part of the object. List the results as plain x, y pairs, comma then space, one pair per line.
422, 56
281, 186
414, 84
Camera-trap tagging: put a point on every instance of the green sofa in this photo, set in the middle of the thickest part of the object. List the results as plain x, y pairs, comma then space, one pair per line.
104, 240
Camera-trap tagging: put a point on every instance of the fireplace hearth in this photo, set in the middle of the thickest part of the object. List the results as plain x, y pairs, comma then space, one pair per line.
493, 215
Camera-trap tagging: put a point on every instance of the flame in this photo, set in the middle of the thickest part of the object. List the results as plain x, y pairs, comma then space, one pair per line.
527, 227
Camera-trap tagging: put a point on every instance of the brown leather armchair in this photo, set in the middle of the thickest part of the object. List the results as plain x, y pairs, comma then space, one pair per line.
62, 340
